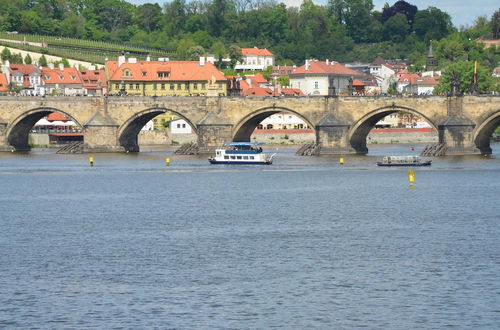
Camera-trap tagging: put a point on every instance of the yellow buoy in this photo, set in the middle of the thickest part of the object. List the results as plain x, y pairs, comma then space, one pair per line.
91, 161
411, 177
341, 160
167, 161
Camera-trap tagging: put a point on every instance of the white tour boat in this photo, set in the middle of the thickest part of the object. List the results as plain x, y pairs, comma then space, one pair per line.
241, 153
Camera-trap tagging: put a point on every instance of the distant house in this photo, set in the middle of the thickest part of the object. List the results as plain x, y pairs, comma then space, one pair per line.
26, 76
62, 81
282, 120
4, 85
161, 78
322, 78
422, 86
405, 79
180, 126
374, 67
496, 72
255, 59
93, 81
489, 42
282, 70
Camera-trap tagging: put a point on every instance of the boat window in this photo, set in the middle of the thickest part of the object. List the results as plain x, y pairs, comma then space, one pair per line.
226, 157
251, 157
238, 157
232, 157
245, 157
218, 152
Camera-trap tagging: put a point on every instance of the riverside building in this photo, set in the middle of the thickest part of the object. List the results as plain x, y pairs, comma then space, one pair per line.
164, 77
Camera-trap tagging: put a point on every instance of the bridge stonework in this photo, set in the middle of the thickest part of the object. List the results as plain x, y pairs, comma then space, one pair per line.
112, 124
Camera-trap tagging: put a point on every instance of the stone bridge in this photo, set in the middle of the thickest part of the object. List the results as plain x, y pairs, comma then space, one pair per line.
341, 123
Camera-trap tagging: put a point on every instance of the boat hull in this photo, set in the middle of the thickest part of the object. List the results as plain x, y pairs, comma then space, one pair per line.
228, 162
405, 165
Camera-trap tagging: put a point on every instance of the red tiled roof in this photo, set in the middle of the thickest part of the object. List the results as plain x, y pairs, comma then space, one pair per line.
292, 91
258, 91
318, 67
92, 78
256, 51
426, 81
57, 76
356, 82
4, 86
57, 116
409, 78
25, 69
378, 61
177, 71
258, 78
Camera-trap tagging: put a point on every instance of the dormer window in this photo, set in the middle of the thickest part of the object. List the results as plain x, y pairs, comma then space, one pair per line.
47, 77
73, 77
144, 73
164, 74
127, 73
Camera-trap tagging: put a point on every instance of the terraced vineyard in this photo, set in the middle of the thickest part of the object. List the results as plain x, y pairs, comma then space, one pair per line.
78, 49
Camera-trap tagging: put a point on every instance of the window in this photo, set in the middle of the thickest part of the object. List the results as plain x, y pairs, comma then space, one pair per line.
154, 86
245, 157
203, 86
238, 157
226, 157
163, 86
163, 74
183, 125
131, 86
117, 86
232, 157
172, 87
127, 73
137, 86
195, 86
178, 125
179, 86
144, 74
251, 157
316, 84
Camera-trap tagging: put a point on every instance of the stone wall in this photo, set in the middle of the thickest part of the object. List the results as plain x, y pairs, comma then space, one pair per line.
284, 136
155, 138
402, 136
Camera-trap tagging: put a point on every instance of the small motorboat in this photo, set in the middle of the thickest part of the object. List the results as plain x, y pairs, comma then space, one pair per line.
404, 161
241, 153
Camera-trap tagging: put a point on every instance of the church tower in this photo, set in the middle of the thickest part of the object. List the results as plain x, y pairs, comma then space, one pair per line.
431, 60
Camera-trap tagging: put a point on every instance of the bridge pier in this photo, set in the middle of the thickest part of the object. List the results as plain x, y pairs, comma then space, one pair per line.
101, 135
212, 136
332, 136
457, 130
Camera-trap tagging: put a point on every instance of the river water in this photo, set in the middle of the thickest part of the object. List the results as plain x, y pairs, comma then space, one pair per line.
303, 243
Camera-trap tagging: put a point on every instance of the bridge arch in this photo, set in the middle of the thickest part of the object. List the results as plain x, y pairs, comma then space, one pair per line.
243, 130
18, 131
128, 132
484, 131
359, 131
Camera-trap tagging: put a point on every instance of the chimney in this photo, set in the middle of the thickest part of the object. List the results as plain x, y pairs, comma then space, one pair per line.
148, 58
326, 61
6, 64
51, 66
92, 67
121, 60
61, 66
132, 60
307, 65
202, 61
249, 82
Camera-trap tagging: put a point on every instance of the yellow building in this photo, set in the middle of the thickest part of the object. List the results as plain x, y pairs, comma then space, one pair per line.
162, 78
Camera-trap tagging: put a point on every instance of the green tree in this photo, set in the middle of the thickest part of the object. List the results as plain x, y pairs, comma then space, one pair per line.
194, 53
42, 61
149, 16
464, 70
27, 59
495, 24
5, 55
396, 28
283, 81
432, 24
